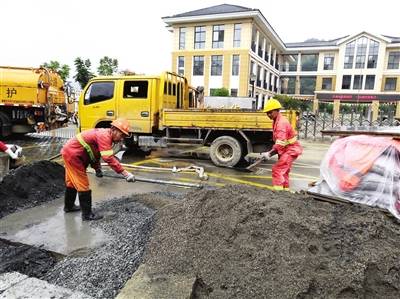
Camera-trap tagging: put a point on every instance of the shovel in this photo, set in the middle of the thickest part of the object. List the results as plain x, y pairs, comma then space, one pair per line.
157, 181
255, 159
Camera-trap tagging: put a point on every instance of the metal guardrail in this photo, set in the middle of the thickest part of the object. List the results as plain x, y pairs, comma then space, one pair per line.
63, 133
310, 125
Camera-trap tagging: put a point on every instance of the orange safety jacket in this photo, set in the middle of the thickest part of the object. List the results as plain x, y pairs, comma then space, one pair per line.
87, 148
285, 137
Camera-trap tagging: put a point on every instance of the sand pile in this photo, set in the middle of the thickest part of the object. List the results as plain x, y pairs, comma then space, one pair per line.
243, 242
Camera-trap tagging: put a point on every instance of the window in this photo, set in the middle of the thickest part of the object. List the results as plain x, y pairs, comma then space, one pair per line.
252, 64
372, 54
326, 83
253, 39
346, 82
390, 84
182, 38
216, 65
98, 92
218, 36
235, 65
267, 54
272, 56
394, 60
307, 85
357, 83
234, 92
260, 46
181, 65
370, 82
199, 37
198, 65
265, 84
309, 62
288, 85
136, 89
361, 52
258, 80
349, 55
237, 35
328, 61
289, 63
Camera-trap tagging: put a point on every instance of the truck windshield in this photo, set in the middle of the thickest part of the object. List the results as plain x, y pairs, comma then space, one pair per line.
99, 91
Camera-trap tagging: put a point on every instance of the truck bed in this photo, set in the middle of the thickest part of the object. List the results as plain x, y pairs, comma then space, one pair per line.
244, 119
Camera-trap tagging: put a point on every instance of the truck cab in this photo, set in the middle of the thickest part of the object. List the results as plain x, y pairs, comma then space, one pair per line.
137, 98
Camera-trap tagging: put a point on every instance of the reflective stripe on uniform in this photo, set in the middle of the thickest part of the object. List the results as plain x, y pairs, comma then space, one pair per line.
286, 142
86, 147
277, 188
107, 153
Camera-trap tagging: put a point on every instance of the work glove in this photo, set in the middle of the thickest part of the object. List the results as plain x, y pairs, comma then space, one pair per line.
129, 177
12, 154
99, 173
266, 155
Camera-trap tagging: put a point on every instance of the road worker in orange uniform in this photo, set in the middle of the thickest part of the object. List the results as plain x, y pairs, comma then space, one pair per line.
86, 149
286, 146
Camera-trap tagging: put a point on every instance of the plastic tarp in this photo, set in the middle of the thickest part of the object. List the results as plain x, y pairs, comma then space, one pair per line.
363, 169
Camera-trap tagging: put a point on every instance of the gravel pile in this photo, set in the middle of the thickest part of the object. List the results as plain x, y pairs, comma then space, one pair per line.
30, 185
104, 270
242, 242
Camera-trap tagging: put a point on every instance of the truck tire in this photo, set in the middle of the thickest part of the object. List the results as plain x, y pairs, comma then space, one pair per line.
226, 151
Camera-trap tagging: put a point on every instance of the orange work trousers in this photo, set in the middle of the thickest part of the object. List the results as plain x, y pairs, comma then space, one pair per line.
75, 174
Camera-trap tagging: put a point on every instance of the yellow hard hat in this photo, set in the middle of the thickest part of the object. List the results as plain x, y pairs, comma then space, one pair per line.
121, 124
272, 104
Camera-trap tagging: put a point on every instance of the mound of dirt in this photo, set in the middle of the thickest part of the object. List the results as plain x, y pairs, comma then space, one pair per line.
30, 185
25, 259
247, 243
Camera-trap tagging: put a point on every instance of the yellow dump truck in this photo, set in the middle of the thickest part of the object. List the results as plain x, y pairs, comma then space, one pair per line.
162, 111
30, 99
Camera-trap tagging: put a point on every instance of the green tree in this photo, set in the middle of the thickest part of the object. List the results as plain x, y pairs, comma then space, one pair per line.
83, 72
220, 92
62, 70
291, 103
108, 66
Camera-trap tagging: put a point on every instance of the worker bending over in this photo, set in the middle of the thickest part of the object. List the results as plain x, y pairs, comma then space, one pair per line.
86, 149
286, 145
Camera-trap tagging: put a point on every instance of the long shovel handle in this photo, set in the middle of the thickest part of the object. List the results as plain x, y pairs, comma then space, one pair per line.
157, 181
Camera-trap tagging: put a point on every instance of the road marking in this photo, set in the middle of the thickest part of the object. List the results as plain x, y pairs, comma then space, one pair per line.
228, 178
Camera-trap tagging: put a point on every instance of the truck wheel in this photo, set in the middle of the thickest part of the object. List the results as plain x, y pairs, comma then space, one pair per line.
226, 151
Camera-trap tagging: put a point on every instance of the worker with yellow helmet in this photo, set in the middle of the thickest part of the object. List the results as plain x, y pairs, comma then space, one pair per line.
286, 145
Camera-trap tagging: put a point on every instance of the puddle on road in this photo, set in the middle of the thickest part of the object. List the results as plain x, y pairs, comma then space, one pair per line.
47, 226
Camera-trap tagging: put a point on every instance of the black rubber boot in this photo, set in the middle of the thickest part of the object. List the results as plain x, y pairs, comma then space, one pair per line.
85, 200
69, 201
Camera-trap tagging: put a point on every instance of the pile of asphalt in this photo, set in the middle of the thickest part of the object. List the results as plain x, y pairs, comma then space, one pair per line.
103, 271
25, 259
242, 242
30, 185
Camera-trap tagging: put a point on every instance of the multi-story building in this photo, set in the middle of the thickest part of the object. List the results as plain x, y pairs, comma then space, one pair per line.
235, 47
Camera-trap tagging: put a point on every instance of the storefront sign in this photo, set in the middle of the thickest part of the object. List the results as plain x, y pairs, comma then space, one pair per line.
350, 97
